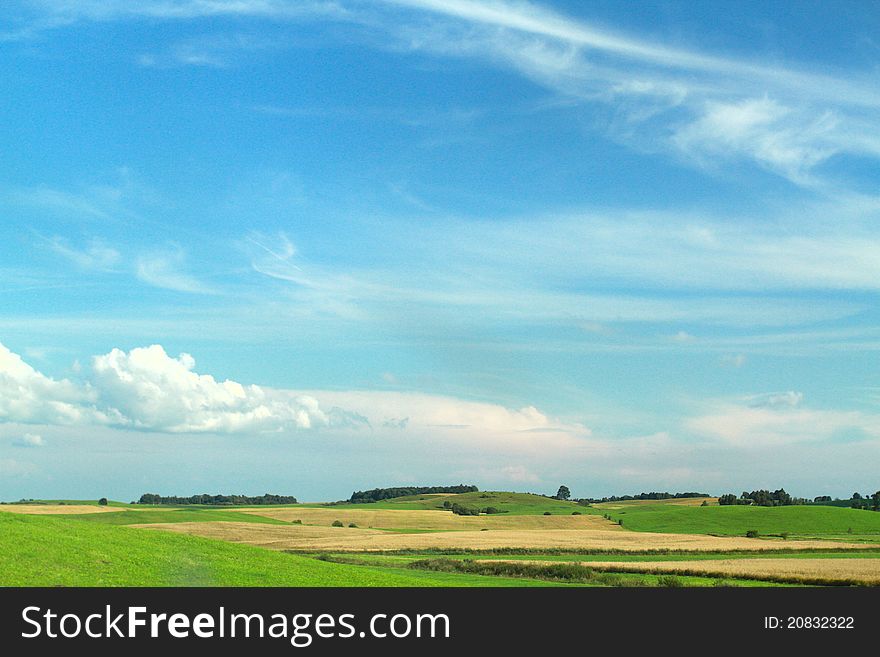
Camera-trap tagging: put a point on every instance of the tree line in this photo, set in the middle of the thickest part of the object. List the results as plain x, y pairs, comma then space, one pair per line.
761, 498
217, 500
781, 498
377, 494
641, 496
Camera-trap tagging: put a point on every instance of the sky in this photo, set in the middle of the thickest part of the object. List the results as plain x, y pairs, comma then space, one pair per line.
312, 247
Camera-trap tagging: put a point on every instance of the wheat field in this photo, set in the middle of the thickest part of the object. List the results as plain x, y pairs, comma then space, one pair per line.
420, 519
684, 501
810, 571
57, 509
342, 539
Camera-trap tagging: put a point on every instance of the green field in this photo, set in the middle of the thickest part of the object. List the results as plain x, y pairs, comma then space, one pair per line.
52, 551
98, 549
819, 521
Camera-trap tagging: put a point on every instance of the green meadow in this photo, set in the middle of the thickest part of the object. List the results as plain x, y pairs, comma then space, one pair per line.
54, 551
100, 549
801, 521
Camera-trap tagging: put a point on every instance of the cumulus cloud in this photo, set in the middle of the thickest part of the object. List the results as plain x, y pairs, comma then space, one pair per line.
28, 396
152, 390
146, 389
29, 440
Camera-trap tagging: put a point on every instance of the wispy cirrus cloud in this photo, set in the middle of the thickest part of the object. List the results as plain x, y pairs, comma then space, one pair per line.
699, 105
96, 255
164, 269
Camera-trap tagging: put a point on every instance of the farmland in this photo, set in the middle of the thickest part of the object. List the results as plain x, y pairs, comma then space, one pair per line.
418, 541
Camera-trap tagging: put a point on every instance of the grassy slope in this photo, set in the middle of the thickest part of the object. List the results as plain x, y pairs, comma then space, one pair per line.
513, 503
737, 520
51, 551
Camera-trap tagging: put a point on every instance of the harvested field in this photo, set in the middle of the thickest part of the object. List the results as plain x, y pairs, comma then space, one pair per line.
343, 539
684, 501
807, 571
57, 509
409, 519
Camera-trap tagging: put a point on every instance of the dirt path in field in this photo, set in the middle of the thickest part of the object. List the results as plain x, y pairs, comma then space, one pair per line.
304, 537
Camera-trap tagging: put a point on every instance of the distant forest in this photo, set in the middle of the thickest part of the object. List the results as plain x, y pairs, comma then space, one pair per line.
376, 494
217, 500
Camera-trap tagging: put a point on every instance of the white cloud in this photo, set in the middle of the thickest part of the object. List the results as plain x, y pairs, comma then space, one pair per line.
709, 104
665, 97
788, 399
12, 468
780, 423
96, 255
154, 391
30, 397
734, 360
29, 440
164, 270
519, 474
146, 389
763, 130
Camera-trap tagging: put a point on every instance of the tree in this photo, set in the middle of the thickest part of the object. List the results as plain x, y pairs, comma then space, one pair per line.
563, 493
103, 501
727, 499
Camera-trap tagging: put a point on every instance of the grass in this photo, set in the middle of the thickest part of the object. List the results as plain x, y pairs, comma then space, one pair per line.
48, 551
817, 521
571, 573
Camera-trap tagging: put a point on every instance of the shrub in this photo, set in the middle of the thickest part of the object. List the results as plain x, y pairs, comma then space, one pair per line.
338, 523
670, 581
352, 525
296, 522
102, 501
547, 513
460, 510
752, 533
576, 513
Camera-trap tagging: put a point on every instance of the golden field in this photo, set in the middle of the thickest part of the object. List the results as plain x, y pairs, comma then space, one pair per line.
419, 519
342, 539
684, 501
829, 571
57, 509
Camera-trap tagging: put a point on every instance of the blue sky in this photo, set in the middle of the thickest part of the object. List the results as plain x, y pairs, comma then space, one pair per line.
309, 247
